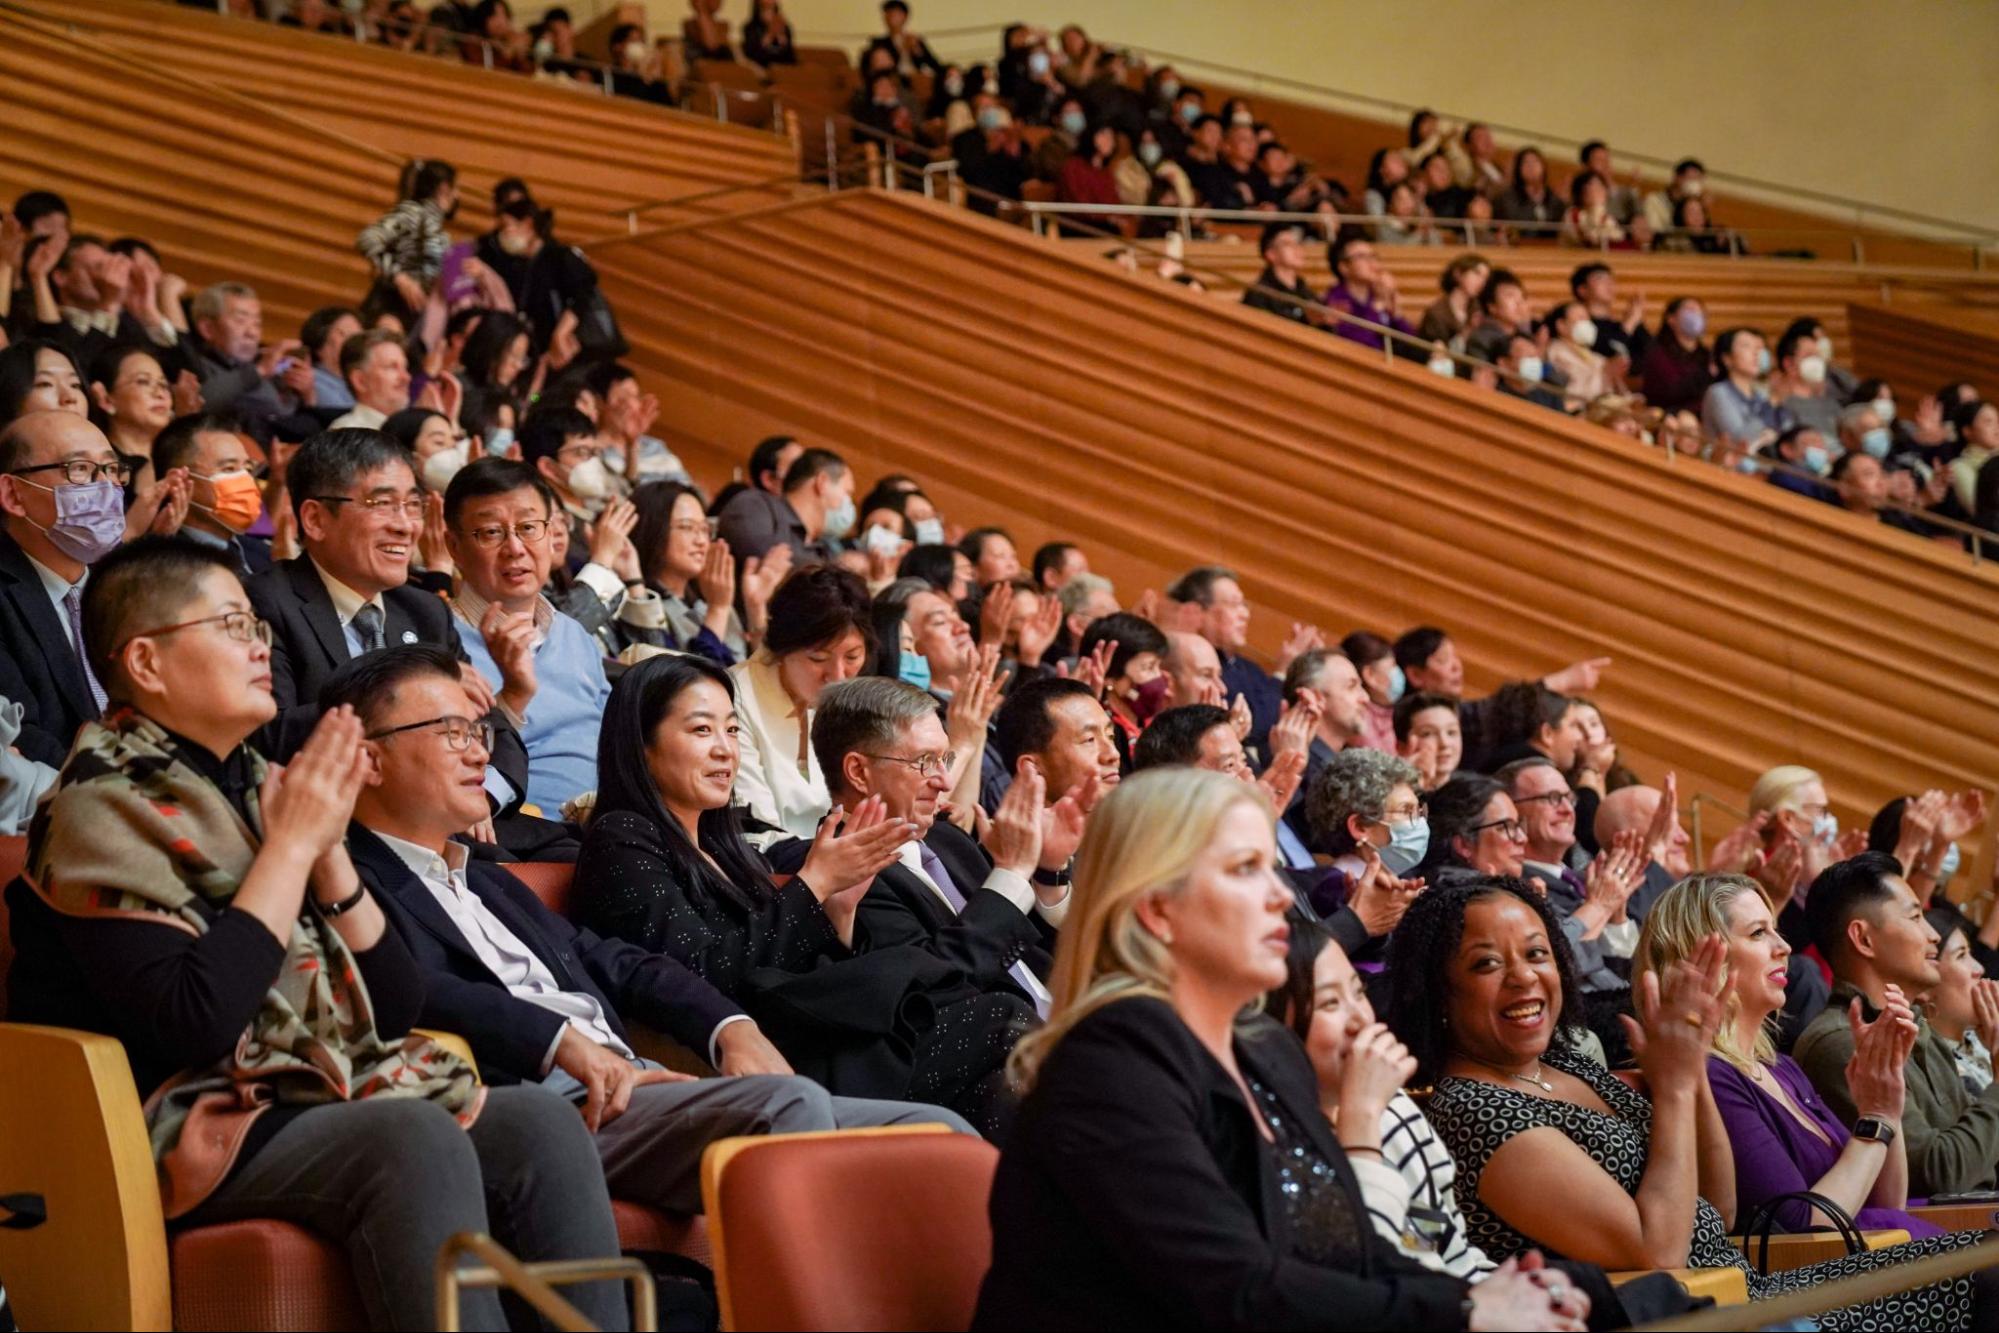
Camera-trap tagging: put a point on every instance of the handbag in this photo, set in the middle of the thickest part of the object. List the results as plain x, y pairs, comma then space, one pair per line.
1765, 1216
597, 327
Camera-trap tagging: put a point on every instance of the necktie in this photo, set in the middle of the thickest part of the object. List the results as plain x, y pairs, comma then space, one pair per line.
367, 624
1575, 883
73, 603
1023, 976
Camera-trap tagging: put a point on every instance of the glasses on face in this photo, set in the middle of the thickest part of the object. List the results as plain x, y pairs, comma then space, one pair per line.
1405, 814
530, 531
1510, 829
242, 626
926, 765
145, 383
81, 471
1560, 800
458, 732
378, 507
580, 449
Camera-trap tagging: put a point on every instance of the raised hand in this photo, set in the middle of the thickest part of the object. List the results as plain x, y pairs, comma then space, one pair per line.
1240, 718
1280, 780
1985, 1012
1372, 1071
611, 534
1062, 823
1093, 670
1303, 638
1013, 837
1295, 726
1678, 1015
1741, 850
268, 357
1378, 898
174, 493
187, 393
1147, 606
1875, 1072
994, 613
848, 852
1961, 814
510, 637
1658, 836
760, 578
1780, 869
972, 706
307, 803
1038, 632
717, 579
1578, 677
433, 546
1615, 874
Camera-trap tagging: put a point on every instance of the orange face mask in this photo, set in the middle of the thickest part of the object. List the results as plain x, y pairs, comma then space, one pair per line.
238, 500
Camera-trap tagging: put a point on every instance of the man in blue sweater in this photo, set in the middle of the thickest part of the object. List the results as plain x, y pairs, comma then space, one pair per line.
545, 668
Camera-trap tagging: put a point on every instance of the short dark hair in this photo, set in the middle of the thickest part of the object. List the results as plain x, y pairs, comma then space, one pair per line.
142, 585
111, 359
426, 176
1273, 232
1844, 890
1687, 164
368, 683
1050, 555
1724, 343
547, 429
1025, 723
935, 564
486, 477
1583, 273
1174, 737
329, 462
1421, 701
1588, 148
17, 377
357, 348
319, 324
763, 458
1364, 648
818, 604
1197, 585
1488, 295
973, 543
34, 205
176, 441
1455, 807
1132, 634
1417, 646
811, 465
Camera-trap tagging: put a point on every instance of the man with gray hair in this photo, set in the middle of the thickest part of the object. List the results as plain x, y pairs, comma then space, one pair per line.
237, 371
1085, 598
1326, 684
989, 911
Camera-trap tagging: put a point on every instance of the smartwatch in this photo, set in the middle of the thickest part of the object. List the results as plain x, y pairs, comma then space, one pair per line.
1874, 1129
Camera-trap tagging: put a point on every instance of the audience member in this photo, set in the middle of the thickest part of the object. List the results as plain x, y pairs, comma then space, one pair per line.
1450, 315
1529, 199
406, 245
1136, 686
225, 500
1354, 796
1224, 623
1963, 1007
1363, 289
1593, 901
376, 368
815, 509
236, 369
694, 574
1736, 412
1677, 366
1281, 288
1689, 182
1429, 735
1572, 338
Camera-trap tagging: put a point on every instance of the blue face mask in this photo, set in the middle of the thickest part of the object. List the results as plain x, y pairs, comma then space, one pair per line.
1876, 442
1074, 124
840, 522
1826, 827
1190, 113
1398, 683
991, 118
1747, 465
915, 669
1407, 845
501, 442
1948, 866
1148, 153
1763, 361
1817, 460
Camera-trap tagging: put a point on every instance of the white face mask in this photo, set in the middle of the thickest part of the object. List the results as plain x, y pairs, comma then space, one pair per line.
1692, 189
1825, 348
1811, 369
1583, 333
880, 540
635, 53
1530, 368
442, 466
929, 532
589, 480
1443, 365
1885, 409
514, 242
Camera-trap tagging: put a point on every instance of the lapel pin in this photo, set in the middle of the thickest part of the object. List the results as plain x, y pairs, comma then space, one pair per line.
409, 636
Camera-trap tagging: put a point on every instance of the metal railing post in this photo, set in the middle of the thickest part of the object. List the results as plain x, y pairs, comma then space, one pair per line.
832, 174
486, 52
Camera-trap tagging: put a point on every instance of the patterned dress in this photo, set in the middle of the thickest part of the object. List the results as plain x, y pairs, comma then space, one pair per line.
1476, 1119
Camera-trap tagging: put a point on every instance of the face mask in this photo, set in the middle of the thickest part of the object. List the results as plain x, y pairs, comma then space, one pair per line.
1692, 323
1876, 442
1692, 189
1817, 460
1825, 348
1398, 683
1190, 113
840, 522
238, 500
1811, 369
1149, 153
1169, 88
1583, 333
543, 49
929, 532
1762, 361
513, 242
1530, 368
589, 480
635, 53
1073, 123
1443, 365
914, 668
1948, 866
442, 466
1149, 698
992, 118
881, 540
1826, 827
1037, 64
1407, 845
90, 519
1243, 118
1747, 466
954, 86
500, 441
1885, 409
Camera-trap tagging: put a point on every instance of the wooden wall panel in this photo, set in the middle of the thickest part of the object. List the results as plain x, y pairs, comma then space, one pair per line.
1050, 392
1918, 347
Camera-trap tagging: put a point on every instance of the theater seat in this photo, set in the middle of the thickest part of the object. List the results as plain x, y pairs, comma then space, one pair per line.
262, 1274
549, 880
875, 1229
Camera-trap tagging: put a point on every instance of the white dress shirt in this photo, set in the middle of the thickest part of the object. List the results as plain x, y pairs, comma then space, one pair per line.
1008, 884
777, 773
57, 588
360, 415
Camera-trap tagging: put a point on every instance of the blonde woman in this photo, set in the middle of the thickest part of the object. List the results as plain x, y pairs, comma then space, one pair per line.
1783, 1137
1170, 1168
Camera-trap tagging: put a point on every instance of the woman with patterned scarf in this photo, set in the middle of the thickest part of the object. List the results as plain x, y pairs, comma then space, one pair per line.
199, 905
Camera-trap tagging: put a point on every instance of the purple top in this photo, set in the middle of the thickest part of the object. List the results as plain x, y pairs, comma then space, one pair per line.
1339, 298
1774, 1154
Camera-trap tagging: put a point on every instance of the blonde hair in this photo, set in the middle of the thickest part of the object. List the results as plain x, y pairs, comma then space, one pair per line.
1675, 925
1141, 841
1776, 789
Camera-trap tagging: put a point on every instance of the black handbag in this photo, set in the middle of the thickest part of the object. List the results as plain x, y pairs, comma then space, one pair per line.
597, 327
1762, 1221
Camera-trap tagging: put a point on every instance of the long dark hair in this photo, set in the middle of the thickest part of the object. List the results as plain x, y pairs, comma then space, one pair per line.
17, 373
1419, 953
639, 702
1291, 1003
655, 501
487, 344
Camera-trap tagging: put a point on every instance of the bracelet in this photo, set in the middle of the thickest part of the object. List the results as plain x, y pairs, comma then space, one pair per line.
344, 906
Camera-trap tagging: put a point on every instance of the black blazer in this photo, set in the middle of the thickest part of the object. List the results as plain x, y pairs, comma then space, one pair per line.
512, 1037
989, 937
38, 668
307, 647
1134, 1193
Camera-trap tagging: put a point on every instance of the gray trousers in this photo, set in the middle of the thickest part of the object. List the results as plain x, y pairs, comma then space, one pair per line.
391, 1179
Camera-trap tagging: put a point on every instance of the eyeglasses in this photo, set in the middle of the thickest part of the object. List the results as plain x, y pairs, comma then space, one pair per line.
530, 531
1561, 800
458, 732
1510, 829
380, 507
693, 527
81, 471
242, 626
926, 765
1420, 810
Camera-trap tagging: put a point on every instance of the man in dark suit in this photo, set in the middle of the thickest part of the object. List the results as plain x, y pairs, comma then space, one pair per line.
538, 999
990, 911
55, 525
226, 499
359, 510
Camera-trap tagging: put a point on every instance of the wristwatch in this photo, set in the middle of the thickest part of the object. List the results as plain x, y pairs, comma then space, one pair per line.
1874, 1129
1053, 879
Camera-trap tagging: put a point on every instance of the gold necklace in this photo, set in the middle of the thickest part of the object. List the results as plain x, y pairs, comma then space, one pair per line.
1538, 1078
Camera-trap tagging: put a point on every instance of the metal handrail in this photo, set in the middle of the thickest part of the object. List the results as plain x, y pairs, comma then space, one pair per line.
535, 1283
